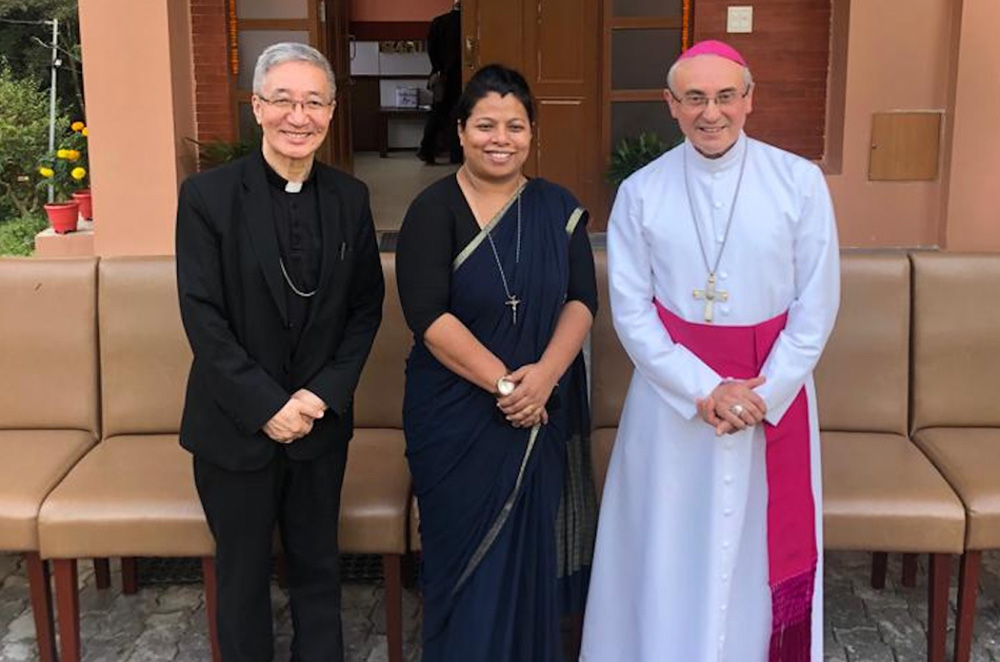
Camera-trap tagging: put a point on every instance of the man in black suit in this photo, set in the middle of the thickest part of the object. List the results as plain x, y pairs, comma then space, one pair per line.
281, 291
444, 48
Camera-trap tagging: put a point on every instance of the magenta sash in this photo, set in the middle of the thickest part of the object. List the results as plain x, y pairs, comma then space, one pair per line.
739, 352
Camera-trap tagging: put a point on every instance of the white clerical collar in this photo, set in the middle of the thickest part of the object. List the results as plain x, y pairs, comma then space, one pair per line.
730, 159
293, 187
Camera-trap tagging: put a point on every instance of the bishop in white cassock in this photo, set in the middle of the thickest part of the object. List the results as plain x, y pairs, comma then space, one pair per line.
681, 571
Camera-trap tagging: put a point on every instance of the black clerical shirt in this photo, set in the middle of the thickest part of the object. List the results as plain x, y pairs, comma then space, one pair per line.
300, 243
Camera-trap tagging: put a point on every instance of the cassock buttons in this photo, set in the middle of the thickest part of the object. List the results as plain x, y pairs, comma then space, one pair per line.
727, 480
725, 545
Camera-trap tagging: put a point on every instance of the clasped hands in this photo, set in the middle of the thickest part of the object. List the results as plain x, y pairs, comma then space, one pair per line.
525, 406
733, 406
295, 420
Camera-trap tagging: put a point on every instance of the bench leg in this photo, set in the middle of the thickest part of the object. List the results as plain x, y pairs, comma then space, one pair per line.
211, 604
909, 570
102, 574
968, 587
392, 567
939, 576
41, 605
68, 604
130, 576
880, 560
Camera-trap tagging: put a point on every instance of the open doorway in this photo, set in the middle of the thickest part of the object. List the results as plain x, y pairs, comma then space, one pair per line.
391, 103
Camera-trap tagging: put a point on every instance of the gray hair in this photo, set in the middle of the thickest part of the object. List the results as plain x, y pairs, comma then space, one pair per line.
290, 51
672, 74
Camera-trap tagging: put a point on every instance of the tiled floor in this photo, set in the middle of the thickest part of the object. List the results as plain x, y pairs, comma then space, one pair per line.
166, 623
394, 182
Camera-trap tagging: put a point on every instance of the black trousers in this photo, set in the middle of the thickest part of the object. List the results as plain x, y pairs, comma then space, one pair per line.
242, 507
442, 119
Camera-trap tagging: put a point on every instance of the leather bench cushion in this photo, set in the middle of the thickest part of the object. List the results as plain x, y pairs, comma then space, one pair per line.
378, 400
145, 356
869, 349
602, 442
132, 495
610, 365
34, 461
48, 344
969, 458
956, 330
881, 493
374, 502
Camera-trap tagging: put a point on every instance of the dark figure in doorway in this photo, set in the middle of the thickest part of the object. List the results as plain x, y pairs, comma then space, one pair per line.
444, 46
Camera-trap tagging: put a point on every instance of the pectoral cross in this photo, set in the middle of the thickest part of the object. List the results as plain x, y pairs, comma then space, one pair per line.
513, 302
710, 295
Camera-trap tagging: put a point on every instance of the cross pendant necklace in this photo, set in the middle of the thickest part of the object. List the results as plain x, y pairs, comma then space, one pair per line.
512, 299
711, 293
513, 302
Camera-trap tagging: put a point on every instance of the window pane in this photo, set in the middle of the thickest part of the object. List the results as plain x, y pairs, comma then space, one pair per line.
272, 9
630, 118
640, 58
252, 44
648, 7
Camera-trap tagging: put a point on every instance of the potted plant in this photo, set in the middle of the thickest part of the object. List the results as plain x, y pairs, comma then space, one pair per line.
77, 141
633, 153
63, 170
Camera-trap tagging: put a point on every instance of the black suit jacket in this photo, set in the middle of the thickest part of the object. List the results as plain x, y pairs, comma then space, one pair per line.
233, 305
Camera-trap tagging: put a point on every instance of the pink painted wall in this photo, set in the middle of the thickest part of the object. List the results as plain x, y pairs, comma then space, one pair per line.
139, 109
973, 222
899, 57
397, 10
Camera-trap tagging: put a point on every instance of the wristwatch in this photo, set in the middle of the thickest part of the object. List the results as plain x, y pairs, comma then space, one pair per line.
504, 386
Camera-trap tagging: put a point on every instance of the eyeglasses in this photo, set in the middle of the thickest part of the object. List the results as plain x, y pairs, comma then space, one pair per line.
286, 104
700, 101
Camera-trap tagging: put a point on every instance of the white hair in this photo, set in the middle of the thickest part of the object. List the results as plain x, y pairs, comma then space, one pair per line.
672, 74
290, 51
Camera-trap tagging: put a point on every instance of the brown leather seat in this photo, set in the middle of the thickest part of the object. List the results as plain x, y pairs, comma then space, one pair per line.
134, 493
49, 405
375, 503
879, 491
956, 418
610, 375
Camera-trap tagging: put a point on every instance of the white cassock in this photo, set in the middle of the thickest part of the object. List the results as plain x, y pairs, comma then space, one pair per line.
680, 570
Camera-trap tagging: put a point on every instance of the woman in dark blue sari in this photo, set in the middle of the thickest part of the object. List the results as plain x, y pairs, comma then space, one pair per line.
496, 279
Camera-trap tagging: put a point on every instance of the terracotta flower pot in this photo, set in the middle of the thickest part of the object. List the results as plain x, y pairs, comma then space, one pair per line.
63, 216
86, 208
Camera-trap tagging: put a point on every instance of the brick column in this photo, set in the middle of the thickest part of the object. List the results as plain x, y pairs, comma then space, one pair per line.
213, 82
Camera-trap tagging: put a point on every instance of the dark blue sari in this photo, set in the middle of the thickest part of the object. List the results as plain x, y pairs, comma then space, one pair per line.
490, 494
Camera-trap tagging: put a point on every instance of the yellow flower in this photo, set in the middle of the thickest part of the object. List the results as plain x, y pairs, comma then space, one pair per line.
84, 132
46, 172
78, 173
72, 154
62, 153
76, 126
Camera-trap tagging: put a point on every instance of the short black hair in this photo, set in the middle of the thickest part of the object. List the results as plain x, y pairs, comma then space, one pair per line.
494, 78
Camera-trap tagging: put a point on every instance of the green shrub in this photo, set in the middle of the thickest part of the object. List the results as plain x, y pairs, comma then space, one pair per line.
17, 235
24, 137
633, 153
